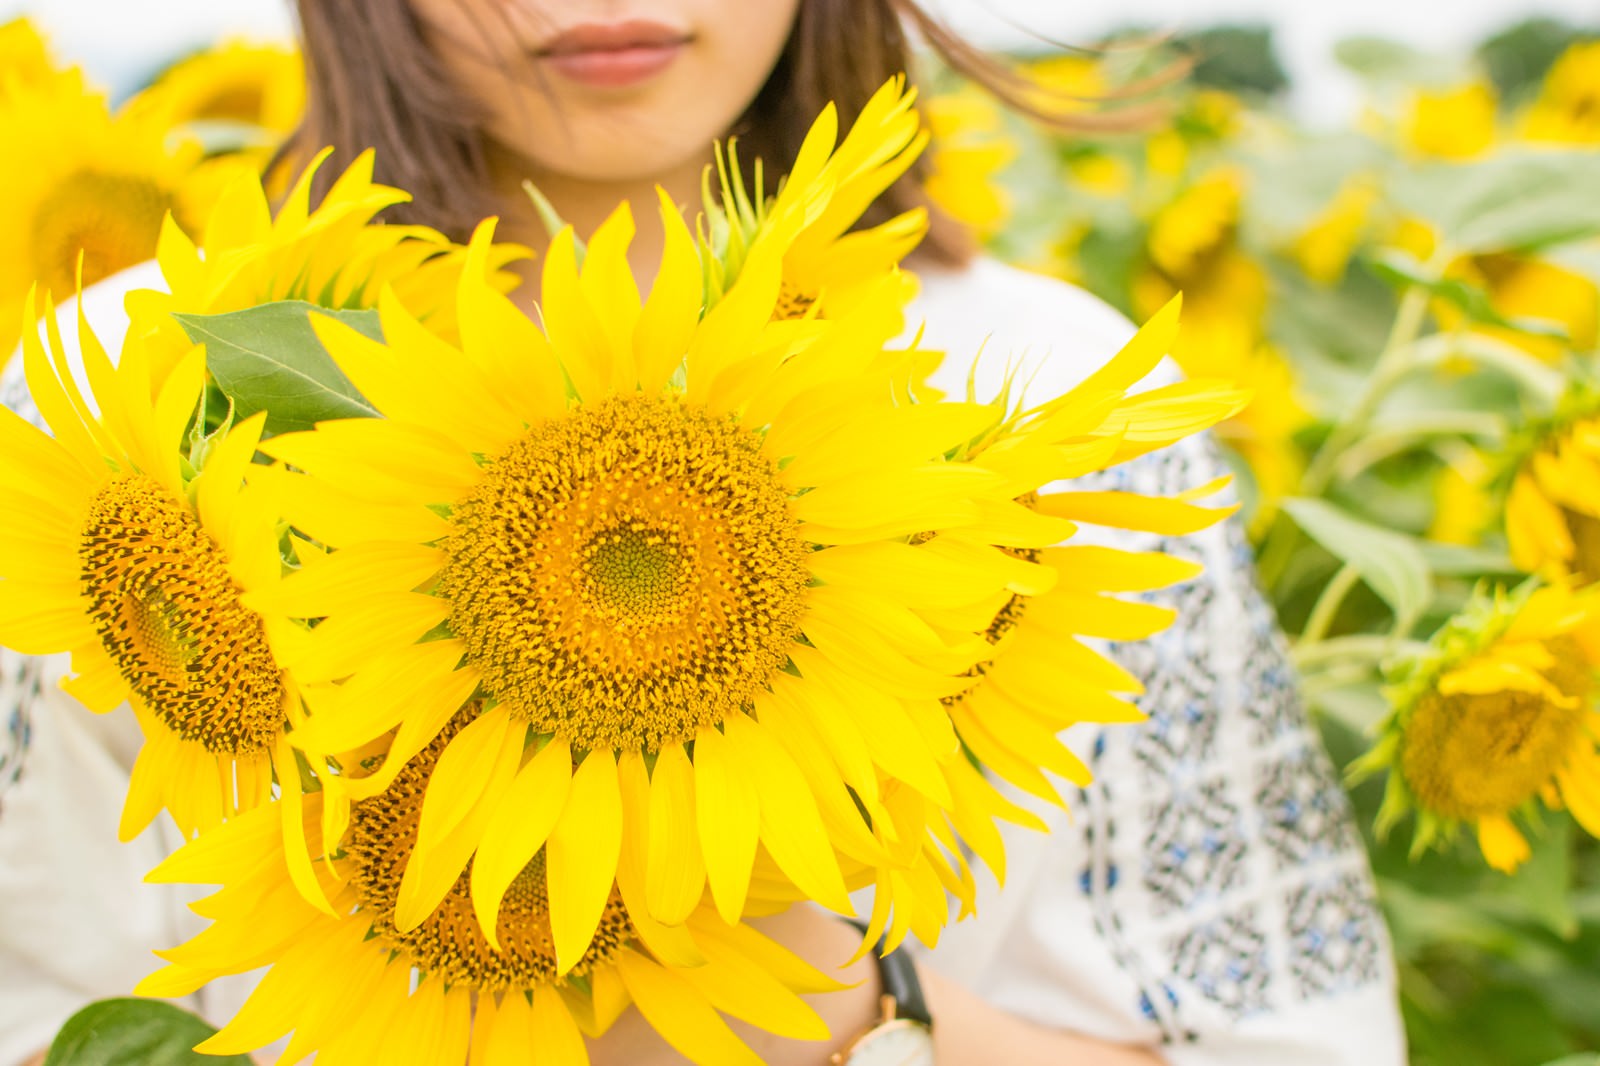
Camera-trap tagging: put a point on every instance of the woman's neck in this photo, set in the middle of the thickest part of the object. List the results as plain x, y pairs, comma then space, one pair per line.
585, 205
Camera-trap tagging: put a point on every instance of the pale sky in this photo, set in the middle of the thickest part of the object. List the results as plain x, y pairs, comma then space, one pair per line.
120, 41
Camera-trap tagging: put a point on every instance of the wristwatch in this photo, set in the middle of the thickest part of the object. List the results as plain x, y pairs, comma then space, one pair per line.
904, 1033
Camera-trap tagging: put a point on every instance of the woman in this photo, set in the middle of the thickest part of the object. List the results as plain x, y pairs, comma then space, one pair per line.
1208, 900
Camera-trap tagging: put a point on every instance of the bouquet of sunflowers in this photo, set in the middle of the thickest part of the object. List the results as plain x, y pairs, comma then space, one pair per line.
500, 665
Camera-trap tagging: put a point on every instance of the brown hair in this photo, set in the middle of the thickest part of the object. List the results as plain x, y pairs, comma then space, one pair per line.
374, 82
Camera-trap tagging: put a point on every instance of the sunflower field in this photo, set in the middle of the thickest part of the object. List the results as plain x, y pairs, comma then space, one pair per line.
1414, 302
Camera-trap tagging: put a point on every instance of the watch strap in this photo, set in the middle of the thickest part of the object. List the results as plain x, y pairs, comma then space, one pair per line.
897, 972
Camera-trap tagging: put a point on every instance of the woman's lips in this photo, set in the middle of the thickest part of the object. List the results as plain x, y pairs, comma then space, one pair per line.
613, 55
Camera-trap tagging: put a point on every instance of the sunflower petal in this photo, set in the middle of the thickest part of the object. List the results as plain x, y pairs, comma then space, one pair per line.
728, 818
581, 857
518, 829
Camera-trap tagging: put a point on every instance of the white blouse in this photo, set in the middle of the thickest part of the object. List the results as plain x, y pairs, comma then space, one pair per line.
1207, 893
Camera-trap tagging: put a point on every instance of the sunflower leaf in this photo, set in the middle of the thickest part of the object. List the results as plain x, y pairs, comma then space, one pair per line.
1389, 562
268, 358
1401, 269
134, 1032
1514, 201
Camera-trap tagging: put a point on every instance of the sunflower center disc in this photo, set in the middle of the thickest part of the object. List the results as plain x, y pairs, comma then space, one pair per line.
168, 614
1474, 754
1585, 532
114, 219
628, 574
449, 942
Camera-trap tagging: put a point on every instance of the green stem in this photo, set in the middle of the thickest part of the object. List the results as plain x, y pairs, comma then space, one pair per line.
1371, 647
1327, 605
1277, 548
1393, 363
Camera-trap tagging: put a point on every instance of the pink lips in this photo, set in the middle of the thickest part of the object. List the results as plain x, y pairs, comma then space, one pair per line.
613, 54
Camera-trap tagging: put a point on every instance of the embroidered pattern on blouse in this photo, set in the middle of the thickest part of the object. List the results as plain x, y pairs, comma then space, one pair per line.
1232, 878
19, 688
19, 674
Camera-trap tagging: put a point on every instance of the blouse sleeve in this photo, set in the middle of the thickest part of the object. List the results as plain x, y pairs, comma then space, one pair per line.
1208, 892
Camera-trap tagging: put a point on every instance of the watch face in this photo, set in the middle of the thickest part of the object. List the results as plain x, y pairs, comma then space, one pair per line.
899, 1043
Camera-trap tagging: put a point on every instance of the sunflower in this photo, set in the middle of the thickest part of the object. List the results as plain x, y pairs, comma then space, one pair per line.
100, 193
1553, 512
130, 543
334, 255
825, 266
252, 84
1496, 716
616, 531
1041, 677
1526, 286
969, 150
356, 988
1456, 124
1567, 110
615, 527
1323, 249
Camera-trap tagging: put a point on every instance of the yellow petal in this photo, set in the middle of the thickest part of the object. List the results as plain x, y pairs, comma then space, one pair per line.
791, 827
728, 817
1126, 510
681, 1014
518, 829
456, 794
672, 312
1504, 848
296, 849
570, 321
348, 577
675, 871
553, 1032
607, 282
581, 857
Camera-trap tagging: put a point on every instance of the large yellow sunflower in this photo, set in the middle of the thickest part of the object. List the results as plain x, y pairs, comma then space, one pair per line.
130, 543
254, 84
332, 255
619, 531
1497, 716
358, 989
1553, 511
826, 264
613, 526
99, 191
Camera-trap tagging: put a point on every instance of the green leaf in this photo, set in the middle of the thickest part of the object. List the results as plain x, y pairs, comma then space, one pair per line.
1518, 58
1543, 884
267, 358
1236, 59
1514, 201
1402, 269
1385, 62
1456, 560
134, 1032
1389, 562
1587, 1058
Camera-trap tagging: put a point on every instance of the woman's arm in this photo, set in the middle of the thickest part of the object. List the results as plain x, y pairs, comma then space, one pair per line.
967, 1031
